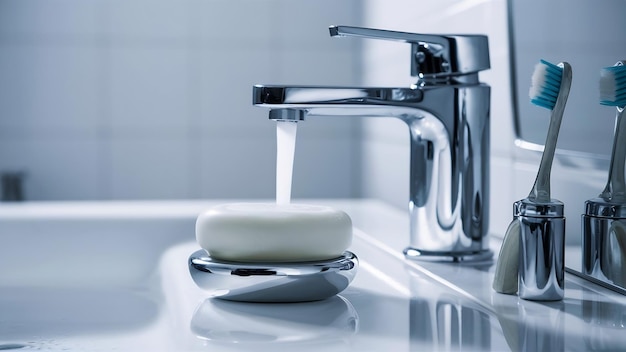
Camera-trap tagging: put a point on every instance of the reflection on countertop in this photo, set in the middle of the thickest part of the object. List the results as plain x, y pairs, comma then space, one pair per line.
319, 322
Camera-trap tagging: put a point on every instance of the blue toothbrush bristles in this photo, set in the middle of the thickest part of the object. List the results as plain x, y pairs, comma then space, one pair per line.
545, 84
613, 86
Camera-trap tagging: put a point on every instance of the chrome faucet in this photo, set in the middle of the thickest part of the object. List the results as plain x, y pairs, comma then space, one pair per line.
447, 112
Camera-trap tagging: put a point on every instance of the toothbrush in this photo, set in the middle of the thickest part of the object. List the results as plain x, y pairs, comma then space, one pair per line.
550, 89
550, 85
613, 93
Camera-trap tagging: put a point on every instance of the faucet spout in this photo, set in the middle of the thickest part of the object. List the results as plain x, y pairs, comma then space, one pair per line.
333, 101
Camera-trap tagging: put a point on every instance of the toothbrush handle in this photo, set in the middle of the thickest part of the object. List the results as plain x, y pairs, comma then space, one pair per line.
616, 186
541, 189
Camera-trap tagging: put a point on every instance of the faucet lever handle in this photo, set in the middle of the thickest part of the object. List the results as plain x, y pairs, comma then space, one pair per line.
432, 55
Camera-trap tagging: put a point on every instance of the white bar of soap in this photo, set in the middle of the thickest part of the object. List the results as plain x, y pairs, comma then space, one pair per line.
267, 232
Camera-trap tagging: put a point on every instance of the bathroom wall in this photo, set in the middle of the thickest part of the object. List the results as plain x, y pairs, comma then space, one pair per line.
386, 141
151, 99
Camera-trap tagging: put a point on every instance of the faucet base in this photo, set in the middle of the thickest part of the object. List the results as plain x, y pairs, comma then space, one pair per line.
455, 257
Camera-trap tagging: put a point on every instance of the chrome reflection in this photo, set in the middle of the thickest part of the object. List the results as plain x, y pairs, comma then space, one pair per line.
607, 323
445, 321
542, 327
227, 322
449, 324
604, 242
531, 325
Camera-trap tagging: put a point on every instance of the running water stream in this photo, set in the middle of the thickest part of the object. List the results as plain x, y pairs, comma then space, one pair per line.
285, 150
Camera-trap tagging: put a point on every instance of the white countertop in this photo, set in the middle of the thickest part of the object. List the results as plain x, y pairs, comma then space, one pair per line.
133, 291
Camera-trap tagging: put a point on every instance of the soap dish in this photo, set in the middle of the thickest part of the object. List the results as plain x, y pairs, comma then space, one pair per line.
272, 282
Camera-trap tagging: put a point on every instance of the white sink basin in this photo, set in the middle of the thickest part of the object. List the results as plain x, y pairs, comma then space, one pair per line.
113, 276
85, 276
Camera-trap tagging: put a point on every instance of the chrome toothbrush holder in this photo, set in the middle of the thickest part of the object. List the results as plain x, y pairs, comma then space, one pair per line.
604, 241
542, 248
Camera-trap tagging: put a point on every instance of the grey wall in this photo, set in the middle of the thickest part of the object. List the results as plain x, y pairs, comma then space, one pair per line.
151, 99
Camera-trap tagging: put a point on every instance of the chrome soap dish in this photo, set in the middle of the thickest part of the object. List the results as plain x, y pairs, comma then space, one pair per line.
272, 282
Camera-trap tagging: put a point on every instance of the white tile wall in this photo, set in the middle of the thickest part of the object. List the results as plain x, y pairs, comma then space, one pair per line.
33, 19
37, 95
148, 92
146, 99
159, 21
149, 168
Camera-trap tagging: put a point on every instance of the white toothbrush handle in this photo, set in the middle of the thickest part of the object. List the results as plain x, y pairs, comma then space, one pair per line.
541, 189
616, 186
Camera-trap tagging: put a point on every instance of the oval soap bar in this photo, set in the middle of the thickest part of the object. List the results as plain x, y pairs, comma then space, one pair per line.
267, 232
